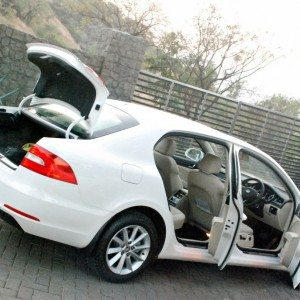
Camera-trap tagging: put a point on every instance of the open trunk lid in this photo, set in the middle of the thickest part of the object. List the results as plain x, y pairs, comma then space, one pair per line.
67, 80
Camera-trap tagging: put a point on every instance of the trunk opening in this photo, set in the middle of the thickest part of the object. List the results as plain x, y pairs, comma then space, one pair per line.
18, 130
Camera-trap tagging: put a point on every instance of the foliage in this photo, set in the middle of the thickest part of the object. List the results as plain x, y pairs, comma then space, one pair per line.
24, 9
5, 7
37, 15
138, 18
49, 33
216, 57
283, 104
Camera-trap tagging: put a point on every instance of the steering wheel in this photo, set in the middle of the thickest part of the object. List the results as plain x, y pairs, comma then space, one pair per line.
251, 195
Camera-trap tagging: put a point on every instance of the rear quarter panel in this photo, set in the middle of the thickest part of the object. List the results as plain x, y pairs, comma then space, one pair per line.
97, 164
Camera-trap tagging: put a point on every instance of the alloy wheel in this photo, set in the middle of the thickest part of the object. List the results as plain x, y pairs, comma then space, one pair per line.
128, 249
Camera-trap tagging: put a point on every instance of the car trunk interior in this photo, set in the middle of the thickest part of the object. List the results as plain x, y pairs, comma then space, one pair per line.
18, 130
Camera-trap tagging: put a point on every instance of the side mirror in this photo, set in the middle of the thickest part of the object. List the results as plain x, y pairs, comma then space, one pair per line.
194, 154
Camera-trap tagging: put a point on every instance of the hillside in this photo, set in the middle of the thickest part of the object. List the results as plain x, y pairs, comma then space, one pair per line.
69, 23
37, 18
16, 23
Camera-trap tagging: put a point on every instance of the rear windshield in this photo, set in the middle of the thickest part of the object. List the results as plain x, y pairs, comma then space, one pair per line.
111, 120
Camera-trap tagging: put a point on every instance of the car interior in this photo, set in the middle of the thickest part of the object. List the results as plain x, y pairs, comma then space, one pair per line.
194, 173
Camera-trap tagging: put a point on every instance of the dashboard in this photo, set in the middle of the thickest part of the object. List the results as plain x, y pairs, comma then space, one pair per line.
274, 207
272, 196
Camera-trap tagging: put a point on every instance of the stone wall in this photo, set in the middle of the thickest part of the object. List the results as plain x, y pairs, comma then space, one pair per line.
18, 71
118, 61
123, 55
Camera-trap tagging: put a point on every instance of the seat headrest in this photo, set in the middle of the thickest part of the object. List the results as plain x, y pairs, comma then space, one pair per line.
210, 164
166, 146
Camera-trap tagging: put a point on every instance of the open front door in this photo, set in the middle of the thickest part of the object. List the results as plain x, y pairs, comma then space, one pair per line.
290, 254
225, 228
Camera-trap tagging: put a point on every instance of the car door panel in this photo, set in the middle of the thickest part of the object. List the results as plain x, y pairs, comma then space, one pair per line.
225, 227
259, 167
290, 254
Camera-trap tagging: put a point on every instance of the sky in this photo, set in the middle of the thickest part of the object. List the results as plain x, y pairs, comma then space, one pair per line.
277, 22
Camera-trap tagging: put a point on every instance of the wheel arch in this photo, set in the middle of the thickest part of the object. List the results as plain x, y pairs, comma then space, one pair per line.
153, 214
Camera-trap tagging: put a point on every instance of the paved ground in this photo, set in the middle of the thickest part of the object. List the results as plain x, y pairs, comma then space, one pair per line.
33, 268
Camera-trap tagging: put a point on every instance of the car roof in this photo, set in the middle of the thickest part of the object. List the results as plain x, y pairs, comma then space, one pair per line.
165, 121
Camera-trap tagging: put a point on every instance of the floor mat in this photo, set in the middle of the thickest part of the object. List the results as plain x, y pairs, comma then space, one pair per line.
191, 232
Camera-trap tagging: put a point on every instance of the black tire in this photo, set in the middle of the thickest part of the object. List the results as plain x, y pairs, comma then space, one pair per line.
100, 258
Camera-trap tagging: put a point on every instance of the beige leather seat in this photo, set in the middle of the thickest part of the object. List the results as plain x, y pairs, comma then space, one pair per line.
206, 194
206, 191
167, 166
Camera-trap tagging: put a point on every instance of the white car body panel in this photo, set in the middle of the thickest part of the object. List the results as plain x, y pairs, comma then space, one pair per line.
71, 60
295, 264
74, 214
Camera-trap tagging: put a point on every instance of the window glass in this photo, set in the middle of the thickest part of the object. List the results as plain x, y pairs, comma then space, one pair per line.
111, 119
253, 167
108, 118
220, 151
188, 149
60, 116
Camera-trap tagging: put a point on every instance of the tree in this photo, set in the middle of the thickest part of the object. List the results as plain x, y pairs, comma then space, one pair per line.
283, 104
139, 18
216, 57
5, 6
24, 9
28, 9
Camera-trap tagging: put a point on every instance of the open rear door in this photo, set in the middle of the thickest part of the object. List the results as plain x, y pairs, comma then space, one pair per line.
290, 254
225, 228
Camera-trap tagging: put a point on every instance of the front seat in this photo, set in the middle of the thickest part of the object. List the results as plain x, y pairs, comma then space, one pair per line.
206, 191
206, 194
167, 166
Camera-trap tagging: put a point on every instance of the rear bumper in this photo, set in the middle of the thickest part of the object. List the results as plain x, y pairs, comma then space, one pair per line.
61, 214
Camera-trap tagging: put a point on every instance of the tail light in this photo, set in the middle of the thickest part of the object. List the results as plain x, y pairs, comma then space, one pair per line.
44, 162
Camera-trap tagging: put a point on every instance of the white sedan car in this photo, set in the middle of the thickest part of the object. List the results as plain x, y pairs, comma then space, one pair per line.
131, 184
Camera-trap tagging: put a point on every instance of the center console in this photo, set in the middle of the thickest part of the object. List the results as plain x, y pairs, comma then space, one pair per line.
175, 199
